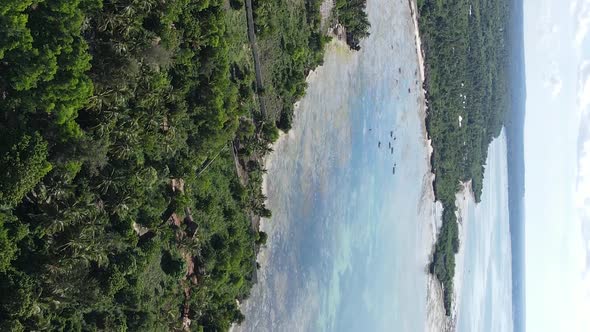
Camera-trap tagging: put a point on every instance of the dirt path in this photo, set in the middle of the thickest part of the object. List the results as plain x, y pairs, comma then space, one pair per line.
254, 47
242, 174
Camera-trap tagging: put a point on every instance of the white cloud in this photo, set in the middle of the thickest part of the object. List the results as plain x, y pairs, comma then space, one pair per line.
582, 196
553, 80
582, 203
584, 89
558, 43
554, 83
581, 11
548, 32
583, 167
583, 181
573, 7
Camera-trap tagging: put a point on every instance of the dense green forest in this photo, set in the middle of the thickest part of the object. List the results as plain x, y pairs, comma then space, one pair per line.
131, 141
353, 17
291, 43
291, 40
466, 79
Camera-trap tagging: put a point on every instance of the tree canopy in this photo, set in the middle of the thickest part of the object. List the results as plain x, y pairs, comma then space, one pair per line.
132, 140
466, 83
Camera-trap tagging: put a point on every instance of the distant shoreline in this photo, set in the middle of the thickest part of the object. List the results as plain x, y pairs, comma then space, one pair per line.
516, 165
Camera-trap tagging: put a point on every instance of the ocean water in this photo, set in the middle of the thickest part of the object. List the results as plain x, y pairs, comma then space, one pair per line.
485, 296
351, 228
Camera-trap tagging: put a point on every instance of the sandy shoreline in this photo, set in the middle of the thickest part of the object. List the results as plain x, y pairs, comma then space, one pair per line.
419, 51
462, 200
435, 313
437, 319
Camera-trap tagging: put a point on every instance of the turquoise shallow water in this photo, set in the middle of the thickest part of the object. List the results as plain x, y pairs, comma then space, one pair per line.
349, 240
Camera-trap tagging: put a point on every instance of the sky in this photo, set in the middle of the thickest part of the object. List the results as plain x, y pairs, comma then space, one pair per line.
557, 161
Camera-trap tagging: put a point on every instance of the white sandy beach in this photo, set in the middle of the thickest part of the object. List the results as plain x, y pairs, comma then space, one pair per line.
462, 199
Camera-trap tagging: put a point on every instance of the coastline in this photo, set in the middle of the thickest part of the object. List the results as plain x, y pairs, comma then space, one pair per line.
462, 199
420, 52
272, 226
437, 320
430, 209
337, 43
482, 278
